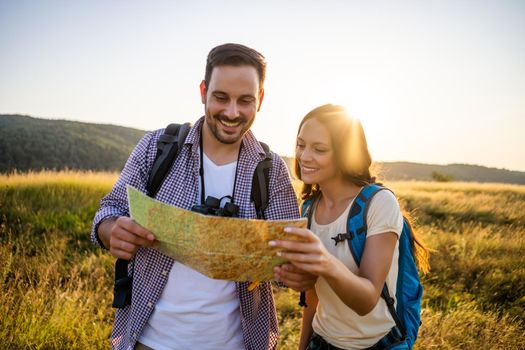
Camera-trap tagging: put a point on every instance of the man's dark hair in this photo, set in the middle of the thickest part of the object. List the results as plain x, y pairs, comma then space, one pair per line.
235, 55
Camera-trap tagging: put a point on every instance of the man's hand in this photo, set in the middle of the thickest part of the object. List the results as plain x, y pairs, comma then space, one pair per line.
294, 278
124, 237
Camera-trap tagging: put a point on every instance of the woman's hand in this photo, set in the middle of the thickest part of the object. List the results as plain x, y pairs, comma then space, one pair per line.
309, 254
294, 277
360, 291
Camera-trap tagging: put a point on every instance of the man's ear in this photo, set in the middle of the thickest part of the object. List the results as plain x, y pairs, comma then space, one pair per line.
203, 91
261, 97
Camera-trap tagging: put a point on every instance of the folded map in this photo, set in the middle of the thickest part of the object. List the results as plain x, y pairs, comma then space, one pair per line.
218, 247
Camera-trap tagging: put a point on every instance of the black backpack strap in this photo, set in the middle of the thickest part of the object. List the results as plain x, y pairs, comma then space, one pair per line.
168, 147
122, 288
261, 183
391, 308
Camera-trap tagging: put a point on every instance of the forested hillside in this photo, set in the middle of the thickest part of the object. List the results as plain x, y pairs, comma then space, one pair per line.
451, 172
395, 171
28, 143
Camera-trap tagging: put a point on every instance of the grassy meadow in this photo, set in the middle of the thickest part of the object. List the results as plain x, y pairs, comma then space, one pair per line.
56, 288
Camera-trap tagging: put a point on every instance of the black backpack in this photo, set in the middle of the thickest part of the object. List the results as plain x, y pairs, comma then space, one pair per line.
167, 151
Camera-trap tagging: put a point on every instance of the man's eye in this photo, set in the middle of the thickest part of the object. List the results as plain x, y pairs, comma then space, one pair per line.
321, 150
246, 101
221, 98
300, 146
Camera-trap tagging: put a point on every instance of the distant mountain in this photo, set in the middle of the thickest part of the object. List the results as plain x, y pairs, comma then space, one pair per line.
455, 172
392, 171
28, 143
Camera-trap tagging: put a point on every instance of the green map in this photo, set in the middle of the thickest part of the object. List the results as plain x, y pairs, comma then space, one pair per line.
218, 247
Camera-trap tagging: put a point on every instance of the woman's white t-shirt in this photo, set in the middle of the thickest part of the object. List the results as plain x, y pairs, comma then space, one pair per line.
334, 321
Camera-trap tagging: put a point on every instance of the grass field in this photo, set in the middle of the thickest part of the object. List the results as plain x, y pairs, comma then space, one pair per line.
56, 288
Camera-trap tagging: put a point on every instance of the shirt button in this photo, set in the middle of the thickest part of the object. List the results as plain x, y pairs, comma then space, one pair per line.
164, 273
150, 304
134, 335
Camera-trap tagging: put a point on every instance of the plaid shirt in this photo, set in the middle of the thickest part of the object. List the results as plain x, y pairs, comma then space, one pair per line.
180, 188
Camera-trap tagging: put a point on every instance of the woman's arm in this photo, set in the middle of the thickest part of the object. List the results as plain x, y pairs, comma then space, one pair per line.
308, 316
361, 291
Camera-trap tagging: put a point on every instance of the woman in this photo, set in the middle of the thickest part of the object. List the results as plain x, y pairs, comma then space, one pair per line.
345, 310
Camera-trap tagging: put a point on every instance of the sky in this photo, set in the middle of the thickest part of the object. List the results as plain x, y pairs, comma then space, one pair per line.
438, 81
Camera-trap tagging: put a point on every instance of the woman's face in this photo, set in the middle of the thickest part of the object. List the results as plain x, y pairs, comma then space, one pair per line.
315, 154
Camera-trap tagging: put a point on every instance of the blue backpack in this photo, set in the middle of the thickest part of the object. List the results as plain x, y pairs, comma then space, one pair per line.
407, 313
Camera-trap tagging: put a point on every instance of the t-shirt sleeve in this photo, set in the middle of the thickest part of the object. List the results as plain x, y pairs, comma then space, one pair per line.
384, 214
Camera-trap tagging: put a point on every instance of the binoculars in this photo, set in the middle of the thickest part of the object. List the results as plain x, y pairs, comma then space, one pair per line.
212, 206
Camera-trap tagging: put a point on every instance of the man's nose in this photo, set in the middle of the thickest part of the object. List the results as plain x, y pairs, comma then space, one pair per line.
232, 111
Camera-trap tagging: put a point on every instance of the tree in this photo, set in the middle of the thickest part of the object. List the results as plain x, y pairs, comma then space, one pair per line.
441, 177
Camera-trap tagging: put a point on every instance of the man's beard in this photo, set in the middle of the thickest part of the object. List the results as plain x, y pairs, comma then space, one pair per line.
216, 119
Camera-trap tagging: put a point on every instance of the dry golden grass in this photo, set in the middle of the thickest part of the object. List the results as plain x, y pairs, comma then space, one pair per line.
454, 186
56, 288
475, 293
58, 177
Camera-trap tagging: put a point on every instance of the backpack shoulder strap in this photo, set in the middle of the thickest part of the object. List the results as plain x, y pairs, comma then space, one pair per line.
356, 222
307, 210
261, 182
306, 207
168, 147
167, 150
357, 229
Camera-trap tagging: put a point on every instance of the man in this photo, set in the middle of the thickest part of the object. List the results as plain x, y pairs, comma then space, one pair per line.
173, 306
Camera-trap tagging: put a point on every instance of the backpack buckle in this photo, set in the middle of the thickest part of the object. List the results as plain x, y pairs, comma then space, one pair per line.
341, 237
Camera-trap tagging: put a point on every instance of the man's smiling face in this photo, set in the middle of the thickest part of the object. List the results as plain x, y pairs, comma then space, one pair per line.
231, 101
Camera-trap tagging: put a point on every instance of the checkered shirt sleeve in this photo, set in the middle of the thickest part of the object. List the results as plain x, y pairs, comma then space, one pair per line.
135, 173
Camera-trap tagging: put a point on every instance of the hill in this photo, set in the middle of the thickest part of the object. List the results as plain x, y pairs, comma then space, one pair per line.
28, 143
396, 171
458, 172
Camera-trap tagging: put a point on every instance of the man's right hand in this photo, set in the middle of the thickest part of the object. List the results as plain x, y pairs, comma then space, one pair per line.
123, 236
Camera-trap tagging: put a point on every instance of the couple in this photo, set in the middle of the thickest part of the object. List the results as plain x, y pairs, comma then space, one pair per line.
175, 307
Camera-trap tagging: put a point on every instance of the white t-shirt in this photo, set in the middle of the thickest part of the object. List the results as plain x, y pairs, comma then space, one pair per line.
334, 321
194, 311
